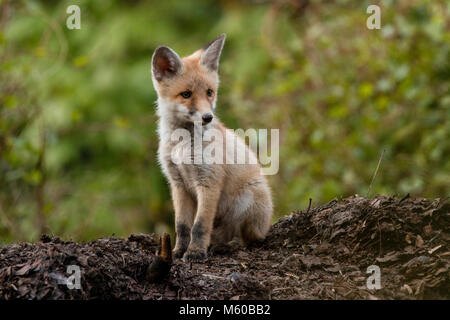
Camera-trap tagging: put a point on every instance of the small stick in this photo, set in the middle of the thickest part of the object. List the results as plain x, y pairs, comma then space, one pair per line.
404, 198
375, 173
162, 262
166, 248
309, 207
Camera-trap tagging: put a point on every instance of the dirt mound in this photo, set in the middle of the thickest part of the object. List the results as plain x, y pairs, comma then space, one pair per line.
407, 238
319, 253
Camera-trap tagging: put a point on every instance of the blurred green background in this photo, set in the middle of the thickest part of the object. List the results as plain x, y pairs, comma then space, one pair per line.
77, 114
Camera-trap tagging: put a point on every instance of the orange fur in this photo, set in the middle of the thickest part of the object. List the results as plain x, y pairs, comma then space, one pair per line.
214, 203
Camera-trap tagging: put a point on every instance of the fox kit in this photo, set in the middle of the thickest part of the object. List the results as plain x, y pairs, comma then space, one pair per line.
214, 203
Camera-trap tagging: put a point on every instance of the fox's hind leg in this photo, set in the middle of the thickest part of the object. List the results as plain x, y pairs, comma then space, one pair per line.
257, 218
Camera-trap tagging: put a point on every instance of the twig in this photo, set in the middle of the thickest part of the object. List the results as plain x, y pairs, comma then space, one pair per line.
213, 277
379, 230
41, 219
375, 173
309, 207
160, 266
404, 198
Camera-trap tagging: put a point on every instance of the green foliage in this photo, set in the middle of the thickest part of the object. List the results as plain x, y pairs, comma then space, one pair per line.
77, 118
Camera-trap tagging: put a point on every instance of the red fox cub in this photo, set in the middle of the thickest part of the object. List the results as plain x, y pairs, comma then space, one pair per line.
215, 203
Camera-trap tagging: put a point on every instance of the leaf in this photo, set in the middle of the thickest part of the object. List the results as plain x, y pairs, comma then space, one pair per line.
391, 257
310, 261
419, 241
23, 271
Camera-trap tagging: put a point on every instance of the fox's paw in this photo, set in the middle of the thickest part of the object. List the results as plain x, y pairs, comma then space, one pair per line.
177, 253
225, 248
194, 255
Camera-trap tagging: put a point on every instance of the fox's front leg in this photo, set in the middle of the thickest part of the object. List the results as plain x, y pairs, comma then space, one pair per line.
184, 218
207, 200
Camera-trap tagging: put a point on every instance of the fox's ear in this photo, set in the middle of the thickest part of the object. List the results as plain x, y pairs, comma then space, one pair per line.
165, 63
211, 53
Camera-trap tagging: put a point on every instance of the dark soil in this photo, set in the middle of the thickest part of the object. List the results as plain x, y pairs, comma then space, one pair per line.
320, 253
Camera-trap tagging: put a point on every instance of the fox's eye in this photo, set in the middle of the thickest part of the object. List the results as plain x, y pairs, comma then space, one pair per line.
186, 94
209, 93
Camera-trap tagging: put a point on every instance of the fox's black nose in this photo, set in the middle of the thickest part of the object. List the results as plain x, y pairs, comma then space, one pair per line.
207, 117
